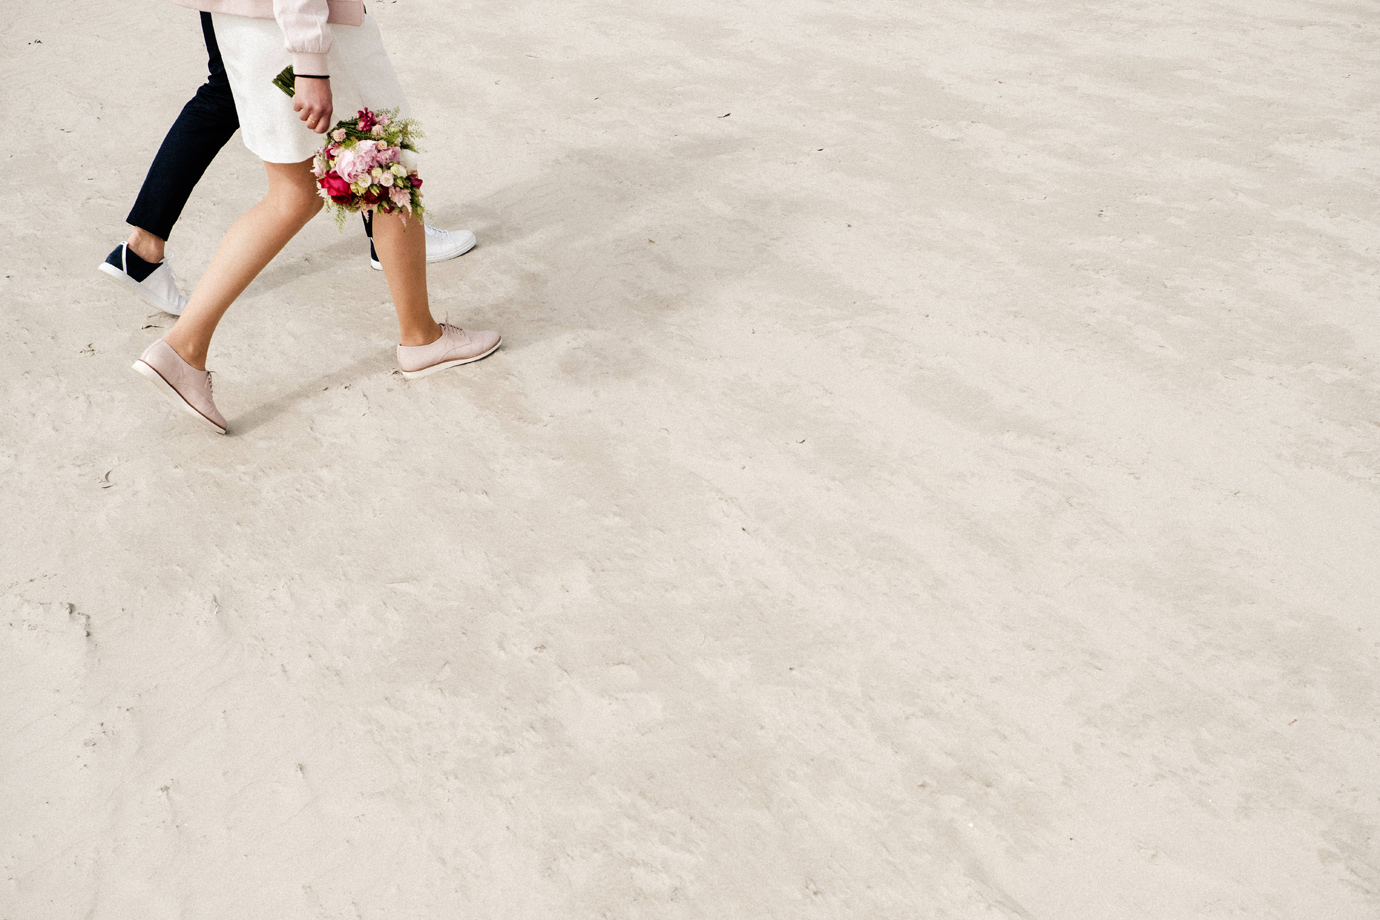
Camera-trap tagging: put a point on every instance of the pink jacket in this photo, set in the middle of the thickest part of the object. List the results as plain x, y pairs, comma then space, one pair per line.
304, 23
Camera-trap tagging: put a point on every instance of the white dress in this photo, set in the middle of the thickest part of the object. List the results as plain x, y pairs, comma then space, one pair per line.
254, 53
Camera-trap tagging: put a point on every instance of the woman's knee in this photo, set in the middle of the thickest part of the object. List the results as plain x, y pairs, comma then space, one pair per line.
293, 205
306, 203
292, 191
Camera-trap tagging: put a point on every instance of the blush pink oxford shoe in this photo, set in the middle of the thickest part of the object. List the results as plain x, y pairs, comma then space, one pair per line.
182, 384
455, 346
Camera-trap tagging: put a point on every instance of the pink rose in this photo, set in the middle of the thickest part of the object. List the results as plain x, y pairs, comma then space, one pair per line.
344, 164
365, 153
354, 162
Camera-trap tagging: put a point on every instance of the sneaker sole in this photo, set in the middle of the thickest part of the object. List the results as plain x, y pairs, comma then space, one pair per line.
149, 373
377, 266
413, 375
137, 289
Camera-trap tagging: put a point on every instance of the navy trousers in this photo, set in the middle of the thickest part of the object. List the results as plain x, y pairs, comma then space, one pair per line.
203, 127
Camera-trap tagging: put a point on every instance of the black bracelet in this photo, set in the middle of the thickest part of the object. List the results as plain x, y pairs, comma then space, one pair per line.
313, 76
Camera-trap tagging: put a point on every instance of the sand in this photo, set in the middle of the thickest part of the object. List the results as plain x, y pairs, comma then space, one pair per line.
931, 472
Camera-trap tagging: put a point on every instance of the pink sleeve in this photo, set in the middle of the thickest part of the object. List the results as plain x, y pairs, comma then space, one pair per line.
308, 35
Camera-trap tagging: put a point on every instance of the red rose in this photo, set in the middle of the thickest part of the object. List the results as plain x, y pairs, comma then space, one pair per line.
372, 197
416, 180
336, 187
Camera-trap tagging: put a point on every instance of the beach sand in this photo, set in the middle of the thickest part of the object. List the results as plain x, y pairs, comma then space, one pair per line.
931, 472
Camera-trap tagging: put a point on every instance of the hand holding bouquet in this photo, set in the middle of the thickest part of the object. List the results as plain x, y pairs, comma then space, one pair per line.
364, 166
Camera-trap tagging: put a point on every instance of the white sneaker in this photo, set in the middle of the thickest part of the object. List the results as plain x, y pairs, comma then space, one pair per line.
158, 290
440, 246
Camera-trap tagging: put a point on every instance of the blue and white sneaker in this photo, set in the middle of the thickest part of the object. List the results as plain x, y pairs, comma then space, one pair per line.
154, 282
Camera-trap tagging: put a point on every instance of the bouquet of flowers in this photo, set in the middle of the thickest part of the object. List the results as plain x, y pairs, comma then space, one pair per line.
365, 165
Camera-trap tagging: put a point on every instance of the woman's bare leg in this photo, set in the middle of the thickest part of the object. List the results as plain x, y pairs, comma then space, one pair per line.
248, 246
401, 246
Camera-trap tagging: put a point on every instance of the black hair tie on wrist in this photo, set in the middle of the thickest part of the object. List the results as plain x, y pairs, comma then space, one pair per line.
313, 76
